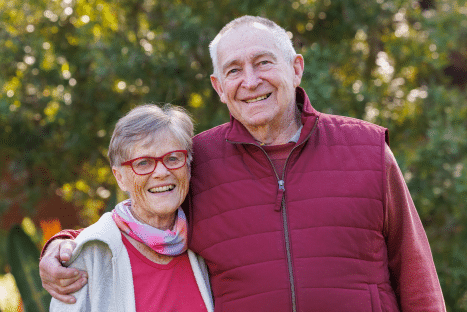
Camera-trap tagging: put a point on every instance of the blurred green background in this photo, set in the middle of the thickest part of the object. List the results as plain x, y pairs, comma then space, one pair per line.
69, 69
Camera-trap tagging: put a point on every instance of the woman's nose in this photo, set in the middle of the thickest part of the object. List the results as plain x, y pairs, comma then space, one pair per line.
160, 169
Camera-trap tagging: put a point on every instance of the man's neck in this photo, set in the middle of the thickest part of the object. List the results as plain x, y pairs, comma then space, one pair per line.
275, 135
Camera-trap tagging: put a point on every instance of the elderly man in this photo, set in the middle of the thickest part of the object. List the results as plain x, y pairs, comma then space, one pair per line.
292, 209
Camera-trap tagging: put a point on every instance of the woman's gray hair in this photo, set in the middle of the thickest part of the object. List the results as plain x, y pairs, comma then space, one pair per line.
143, 125
283, 41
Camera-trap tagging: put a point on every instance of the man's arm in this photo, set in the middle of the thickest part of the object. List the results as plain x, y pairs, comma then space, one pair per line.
413, 273
56, 279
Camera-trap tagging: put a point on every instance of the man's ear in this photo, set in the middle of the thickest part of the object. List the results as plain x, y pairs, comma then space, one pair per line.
119, 177
216, 84
298, 66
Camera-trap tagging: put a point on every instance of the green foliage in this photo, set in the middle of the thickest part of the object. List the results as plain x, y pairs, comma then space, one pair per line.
70, 69
23, 257
3, 246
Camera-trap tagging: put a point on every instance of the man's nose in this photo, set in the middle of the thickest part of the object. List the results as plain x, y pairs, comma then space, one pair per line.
251, 79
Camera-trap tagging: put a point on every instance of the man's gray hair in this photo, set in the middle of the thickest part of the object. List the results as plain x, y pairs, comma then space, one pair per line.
144, 124
283, 41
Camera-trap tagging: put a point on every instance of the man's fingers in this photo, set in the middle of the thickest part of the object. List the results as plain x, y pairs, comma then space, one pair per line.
50, 270
72, 285
65, 282
61, 288
56, 279
65, 250
63, 298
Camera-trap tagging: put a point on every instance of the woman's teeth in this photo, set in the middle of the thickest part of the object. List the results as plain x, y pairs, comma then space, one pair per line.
161, 189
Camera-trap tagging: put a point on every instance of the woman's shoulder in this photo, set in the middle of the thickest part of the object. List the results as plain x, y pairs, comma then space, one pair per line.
101, 240
93, 254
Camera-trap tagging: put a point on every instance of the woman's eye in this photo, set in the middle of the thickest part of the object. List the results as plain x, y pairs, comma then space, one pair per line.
141, 163
172, 159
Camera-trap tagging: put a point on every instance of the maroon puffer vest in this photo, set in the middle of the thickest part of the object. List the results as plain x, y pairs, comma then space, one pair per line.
314, 243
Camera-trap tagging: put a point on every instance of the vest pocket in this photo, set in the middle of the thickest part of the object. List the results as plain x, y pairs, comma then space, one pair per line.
375, 301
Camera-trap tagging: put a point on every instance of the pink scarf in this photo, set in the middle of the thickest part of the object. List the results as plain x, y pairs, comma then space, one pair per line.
168, 242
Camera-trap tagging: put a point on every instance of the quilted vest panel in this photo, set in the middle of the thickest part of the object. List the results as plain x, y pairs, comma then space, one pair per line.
330, 221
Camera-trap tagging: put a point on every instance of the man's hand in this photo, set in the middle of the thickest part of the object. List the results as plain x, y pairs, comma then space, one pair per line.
56, 279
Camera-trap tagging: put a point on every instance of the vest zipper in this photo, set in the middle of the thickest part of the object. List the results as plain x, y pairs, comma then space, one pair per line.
281, 206
289, 257
285, 220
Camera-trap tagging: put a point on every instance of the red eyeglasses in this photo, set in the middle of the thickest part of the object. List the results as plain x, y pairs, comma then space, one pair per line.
146, 165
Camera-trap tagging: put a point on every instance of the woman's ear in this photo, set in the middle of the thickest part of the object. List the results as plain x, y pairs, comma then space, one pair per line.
119, 176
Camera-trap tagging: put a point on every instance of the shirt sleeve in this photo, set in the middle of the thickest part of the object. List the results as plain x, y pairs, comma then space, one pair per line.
65, 234
413, 273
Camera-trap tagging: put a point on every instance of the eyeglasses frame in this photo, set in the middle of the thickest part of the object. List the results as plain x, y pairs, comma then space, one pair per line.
156, 159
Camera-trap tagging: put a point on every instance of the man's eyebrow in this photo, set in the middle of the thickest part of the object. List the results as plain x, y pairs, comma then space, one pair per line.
230, 63
264, 53
255, 56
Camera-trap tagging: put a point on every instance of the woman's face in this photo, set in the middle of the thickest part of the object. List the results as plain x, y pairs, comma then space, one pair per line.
156, 196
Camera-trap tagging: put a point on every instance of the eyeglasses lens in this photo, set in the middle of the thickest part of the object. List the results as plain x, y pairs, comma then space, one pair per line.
147, 165
174, 160
144, 165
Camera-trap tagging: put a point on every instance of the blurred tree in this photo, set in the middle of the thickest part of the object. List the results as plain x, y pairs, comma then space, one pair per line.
71, 68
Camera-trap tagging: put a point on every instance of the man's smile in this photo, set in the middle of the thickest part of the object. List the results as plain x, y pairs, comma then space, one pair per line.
259, 98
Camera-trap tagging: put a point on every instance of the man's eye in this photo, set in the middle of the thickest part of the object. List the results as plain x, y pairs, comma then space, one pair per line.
233, 71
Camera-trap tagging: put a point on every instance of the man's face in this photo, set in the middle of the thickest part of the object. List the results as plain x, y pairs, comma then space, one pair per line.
255, 81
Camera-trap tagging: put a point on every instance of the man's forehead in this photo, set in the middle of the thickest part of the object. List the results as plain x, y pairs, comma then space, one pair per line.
259, 26
246, 29
245, 35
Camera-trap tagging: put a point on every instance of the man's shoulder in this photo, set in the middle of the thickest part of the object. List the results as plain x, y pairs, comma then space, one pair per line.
210, 144
211, 136
340, 121
351, 130
212, 132
102, 233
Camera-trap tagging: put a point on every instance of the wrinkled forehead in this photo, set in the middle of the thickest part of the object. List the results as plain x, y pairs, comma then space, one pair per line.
254, 25
245, 40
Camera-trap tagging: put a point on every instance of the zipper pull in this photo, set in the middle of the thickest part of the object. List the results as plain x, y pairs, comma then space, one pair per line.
280, 195
281, 185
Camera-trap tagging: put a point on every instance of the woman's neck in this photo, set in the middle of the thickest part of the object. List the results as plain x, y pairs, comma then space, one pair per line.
159, 222
148, 252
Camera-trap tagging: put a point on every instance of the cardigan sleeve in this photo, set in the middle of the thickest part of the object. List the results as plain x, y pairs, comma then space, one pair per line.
413, 273
95, 257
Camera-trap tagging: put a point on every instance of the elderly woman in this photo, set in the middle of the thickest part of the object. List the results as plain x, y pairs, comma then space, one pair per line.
136, 256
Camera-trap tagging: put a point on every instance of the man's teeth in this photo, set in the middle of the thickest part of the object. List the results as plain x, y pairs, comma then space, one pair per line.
259, 98
161, 189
